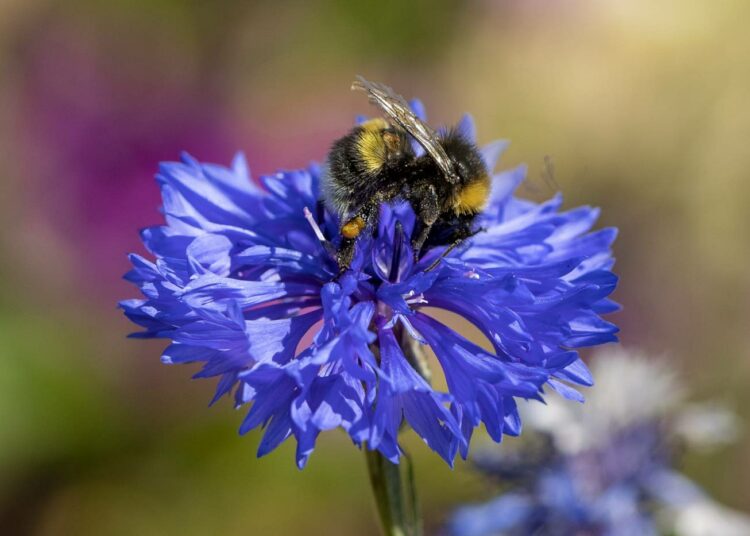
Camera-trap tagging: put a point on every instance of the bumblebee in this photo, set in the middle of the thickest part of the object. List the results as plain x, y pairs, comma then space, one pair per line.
375, 163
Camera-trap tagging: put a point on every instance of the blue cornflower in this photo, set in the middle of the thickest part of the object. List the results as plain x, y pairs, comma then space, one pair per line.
244, 281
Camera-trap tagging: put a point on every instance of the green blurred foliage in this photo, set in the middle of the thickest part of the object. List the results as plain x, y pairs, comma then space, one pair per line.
641, 106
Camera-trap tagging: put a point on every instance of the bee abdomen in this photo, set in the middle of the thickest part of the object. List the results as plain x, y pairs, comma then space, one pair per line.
472, 198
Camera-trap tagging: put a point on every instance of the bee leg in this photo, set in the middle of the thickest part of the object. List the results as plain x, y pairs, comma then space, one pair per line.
418, 242
351, 230
428, 210
457, 242
345, 254
462, 233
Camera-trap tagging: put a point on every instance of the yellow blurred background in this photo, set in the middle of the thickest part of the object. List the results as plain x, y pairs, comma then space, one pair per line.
641, 106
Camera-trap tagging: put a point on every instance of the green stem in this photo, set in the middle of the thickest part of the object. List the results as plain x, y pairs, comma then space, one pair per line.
393, 485
395, 494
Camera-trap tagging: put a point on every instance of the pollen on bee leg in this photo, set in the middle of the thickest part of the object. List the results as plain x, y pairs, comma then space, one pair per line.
353, 227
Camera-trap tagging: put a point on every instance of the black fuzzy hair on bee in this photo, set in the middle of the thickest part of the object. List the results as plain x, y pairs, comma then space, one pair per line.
375, 163
363, 163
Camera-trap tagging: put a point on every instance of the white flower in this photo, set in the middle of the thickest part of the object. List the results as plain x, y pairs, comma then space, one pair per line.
708, 518
630, 388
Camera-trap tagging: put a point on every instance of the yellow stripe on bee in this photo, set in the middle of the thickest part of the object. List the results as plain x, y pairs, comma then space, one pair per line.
370, 144
472, 198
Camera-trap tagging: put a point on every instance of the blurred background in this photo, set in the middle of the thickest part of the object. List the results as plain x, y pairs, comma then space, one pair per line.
642, 107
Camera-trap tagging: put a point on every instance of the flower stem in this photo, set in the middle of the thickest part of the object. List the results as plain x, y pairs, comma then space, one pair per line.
393, 484
395, 494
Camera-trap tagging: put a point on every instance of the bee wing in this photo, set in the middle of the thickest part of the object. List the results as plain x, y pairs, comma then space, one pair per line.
396, 107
